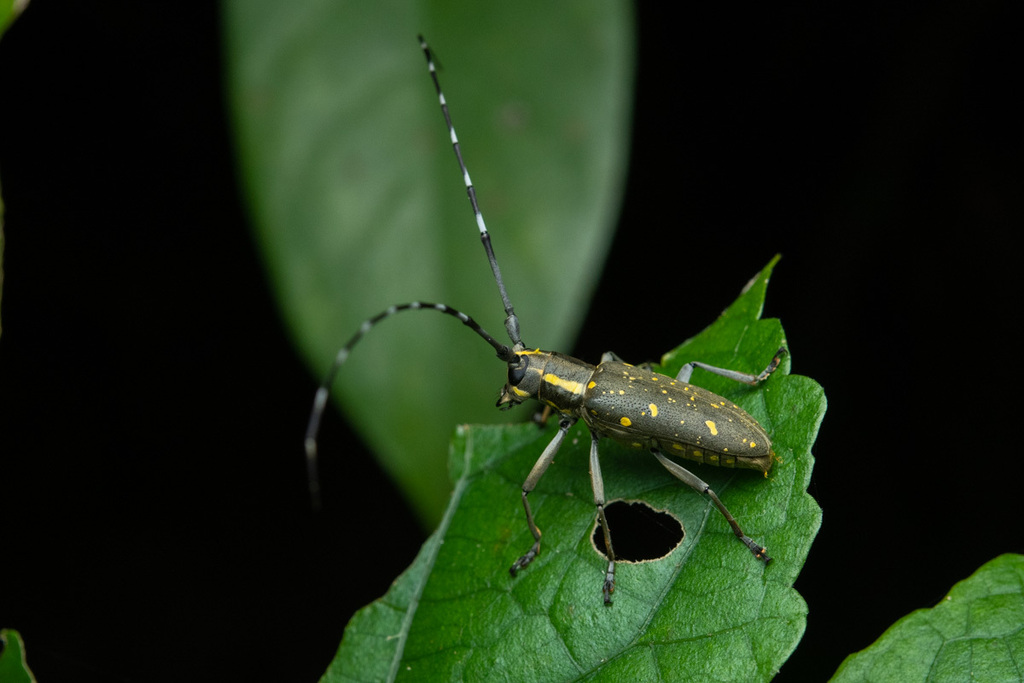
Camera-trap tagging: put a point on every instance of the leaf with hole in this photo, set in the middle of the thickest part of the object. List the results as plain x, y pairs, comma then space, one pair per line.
709, 608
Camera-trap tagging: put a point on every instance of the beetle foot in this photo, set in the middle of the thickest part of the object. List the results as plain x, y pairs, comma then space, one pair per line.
609, 583
525, 559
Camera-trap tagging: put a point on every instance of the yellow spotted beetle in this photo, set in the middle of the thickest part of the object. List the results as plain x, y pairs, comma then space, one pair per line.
630, 404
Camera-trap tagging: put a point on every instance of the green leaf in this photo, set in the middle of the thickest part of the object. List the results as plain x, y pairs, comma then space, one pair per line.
13, 667
359, 203
709, 608
9, 11
976, 633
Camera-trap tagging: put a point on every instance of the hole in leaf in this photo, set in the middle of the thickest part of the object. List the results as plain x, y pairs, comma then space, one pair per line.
639, 532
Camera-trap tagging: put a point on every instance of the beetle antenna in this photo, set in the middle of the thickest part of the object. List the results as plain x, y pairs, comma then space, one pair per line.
511, 319
324, 390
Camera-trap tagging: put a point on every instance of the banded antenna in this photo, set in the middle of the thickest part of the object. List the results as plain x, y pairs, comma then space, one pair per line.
505, 353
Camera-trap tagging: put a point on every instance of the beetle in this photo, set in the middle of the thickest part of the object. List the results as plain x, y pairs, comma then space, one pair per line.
632, 405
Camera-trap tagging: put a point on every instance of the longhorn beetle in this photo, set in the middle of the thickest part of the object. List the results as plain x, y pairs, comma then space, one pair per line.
632, 405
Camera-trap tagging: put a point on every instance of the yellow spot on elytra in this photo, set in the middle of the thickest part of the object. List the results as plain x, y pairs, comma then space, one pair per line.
621, 392
678, 447
591, 384
753, 445
654, 410
712, 427
625, 422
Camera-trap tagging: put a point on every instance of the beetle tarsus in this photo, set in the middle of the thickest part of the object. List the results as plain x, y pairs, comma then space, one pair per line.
525, 559
760, 552
609, 583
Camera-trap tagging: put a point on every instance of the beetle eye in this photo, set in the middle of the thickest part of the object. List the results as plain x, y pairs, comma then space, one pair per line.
516, 372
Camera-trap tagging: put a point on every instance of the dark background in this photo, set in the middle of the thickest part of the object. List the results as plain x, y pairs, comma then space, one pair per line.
156, 521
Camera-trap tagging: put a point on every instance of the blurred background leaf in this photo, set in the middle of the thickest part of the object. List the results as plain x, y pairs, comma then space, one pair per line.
359, 204
9, 11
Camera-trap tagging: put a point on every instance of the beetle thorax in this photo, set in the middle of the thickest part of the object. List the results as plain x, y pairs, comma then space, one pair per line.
552, 378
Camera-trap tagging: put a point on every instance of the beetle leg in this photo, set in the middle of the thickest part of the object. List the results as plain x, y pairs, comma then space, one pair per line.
608, 356
697, 484
541, 418
597, 482
746, 378
531, 481
612, 356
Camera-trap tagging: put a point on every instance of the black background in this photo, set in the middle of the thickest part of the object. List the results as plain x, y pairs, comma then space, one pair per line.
155, 519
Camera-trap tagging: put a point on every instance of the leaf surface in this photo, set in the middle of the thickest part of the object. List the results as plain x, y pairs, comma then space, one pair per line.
976, 633
13, 664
